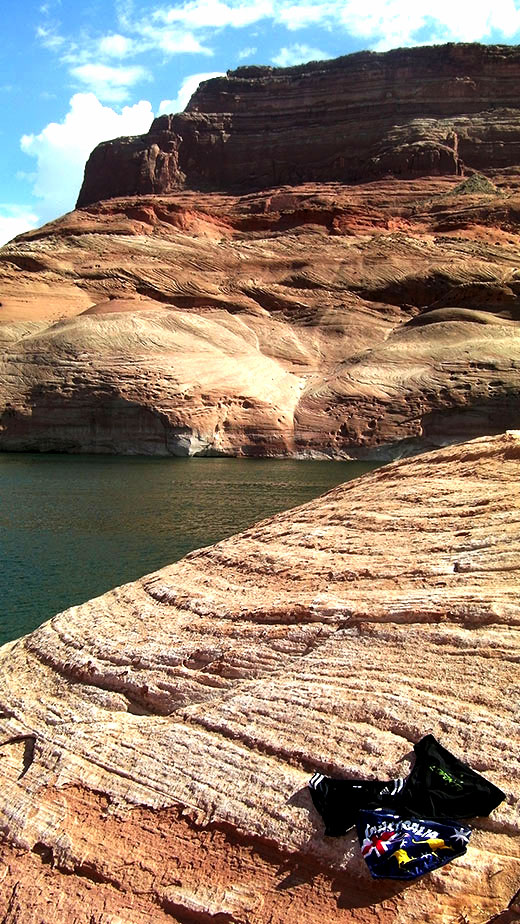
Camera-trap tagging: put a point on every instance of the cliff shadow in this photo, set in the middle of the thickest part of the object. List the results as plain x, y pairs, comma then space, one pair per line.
89, 420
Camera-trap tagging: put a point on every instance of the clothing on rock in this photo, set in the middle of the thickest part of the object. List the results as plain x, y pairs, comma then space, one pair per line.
406, 848
339, 801
439, 786
442, 786
439, 789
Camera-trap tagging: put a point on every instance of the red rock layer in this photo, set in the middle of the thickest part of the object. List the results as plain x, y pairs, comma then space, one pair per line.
416, 111
365, 321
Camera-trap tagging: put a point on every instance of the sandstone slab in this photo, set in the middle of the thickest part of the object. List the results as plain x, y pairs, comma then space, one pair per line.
155, 743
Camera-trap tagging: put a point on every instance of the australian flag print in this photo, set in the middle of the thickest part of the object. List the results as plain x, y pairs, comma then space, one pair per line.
405, 848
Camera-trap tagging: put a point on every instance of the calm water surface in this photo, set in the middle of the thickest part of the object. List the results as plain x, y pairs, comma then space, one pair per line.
72, 527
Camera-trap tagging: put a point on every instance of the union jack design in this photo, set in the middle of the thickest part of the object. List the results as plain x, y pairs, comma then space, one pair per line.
378, 843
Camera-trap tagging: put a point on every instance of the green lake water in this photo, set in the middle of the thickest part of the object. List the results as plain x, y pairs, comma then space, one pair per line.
72, 527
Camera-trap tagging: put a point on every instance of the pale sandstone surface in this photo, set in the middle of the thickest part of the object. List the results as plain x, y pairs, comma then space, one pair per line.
325, 320
156, 741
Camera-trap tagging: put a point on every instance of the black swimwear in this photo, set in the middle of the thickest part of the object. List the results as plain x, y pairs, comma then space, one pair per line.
439, 786
442, 786
339, 801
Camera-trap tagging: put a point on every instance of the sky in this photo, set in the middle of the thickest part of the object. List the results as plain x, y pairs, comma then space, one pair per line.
75, 73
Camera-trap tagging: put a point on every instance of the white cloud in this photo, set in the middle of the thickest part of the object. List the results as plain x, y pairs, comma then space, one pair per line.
188, 27
15, 219
186, 91
87, 59
393, 22
398, 22
50, 38
297, 54
107, 82
247, 53
302, 15
204, 14
381, 22
116, 46
47, 8
390, 23
170, 40
124, 12
62, 148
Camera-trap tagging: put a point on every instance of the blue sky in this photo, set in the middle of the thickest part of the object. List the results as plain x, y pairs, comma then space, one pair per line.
76, 73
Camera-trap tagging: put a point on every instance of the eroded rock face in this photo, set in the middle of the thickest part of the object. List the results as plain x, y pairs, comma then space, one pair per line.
417, 111
366, 322
156, 742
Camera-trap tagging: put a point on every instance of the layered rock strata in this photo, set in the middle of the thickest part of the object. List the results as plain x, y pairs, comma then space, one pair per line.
415, 111
155, 743
324, 320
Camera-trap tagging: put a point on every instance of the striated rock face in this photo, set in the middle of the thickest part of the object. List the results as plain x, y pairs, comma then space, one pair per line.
156, 742
438, 110
367, 322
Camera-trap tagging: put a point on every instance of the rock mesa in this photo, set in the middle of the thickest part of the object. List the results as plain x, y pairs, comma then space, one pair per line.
184, 309
408, 112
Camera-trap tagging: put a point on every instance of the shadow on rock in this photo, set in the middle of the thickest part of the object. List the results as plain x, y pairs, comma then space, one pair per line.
355, 886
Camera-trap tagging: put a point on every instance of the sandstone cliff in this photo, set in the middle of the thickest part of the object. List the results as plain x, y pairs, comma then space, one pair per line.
415, 111
367, 320
155, 743
364, 321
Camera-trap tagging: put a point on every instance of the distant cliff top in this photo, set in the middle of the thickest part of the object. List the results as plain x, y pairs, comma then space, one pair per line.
426, 55
437, 110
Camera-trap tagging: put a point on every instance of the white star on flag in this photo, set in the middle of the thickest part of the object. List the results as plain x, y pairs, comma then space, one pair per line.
461, 836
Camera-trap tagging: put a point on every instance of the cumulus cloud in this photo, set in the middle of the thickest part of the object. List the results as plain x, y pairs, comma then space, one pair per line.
61, 148
169, 40
186, 91
188, 26
302, 15
389, 23
383, 23
15, 219
297, 54
89, 60
107, 82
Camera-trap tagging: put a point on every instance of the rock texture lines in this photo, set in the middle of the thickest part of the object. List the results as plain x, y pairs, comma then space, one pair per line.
155, 742
410, 112
223, 290
365, 322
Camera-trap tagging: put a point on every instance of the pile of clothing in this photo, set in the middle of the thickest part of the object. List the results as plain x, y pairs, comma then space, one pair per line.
408, 827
